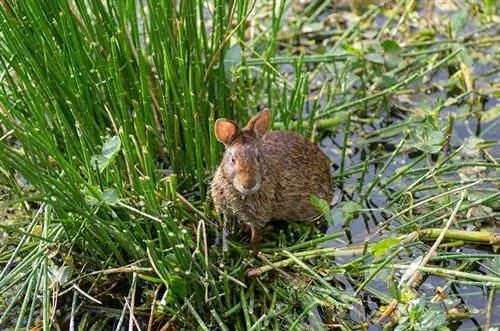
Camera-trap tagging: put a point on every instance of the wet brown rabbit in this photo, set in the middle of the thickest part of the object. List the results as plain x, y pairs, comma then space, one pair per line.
268, 175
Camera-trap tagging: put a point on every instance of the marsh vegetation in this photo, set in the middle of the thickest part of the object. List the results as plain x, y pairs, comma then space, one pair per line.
107, 149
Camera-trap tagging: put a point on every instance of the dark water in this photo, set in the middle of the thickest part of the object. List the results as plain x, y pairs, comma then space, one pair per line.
474, 298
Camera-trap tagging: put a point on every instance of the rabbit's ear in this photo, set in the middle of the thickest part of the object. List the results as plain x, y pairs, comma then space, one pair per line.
226, 130
259, 124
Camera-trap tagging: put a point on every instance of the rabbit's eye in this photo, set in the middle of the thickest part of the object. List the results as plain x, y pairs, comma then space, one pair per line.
257, 156
233, 160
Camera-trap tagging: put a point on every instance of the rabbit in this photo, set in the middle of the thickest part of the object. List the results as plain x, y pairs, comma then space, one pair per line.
267, 175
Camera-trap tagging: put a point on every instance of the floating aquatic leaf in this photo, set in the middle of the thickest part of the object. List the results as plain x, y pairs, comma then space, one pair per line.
349, 210
427, 139
383, 246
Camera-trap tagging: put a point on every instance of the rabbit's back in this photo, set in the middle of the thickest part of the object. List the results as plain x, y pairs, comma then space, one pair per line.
296, 170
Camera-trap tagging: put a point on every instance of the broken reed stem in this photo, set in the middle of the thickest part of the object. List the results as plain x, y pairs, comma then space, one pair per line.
489, 309
329, 251
492, 280
345, 141
308, 243
434, 247
473, 236
426, 259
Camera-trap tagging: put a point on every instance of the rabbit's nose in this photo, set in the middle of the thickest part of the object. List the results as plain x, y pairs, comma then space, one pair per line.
249, 185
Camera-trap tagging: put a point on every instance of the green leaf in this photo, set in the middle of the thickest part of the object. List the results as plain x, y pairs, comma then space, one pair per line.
465, 56
349, 210
426, 107
390, 46
61, 275
92, 195
433, 317
383, 246
375, 58
471, 148
388, 81
108, 152
99, 162
392, 287
427, 139
323, 207
110, 197
111, 147
412, 268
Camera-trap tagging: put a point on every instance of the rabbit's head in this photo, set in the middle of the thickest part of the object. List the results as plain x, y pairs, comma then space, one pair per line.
243, 162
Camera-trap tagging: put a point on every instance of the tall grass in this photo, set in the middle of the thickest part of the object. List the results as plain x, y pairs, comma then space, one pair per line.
106, 150
76, 74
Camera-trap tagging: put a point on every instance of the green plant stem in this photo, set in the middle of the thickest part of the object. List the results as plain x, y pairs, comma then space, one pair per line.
377, 270
345, 142
329, 251
474, 236
320, 279
442, 272
201, 324
424, 201
391, 89
460, 256
322, 124
312, 242
377, 178
439, 239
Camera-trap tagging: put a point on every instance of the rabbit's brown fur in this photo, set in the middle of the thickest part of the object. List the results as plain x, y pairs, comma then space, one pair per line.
267, 175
